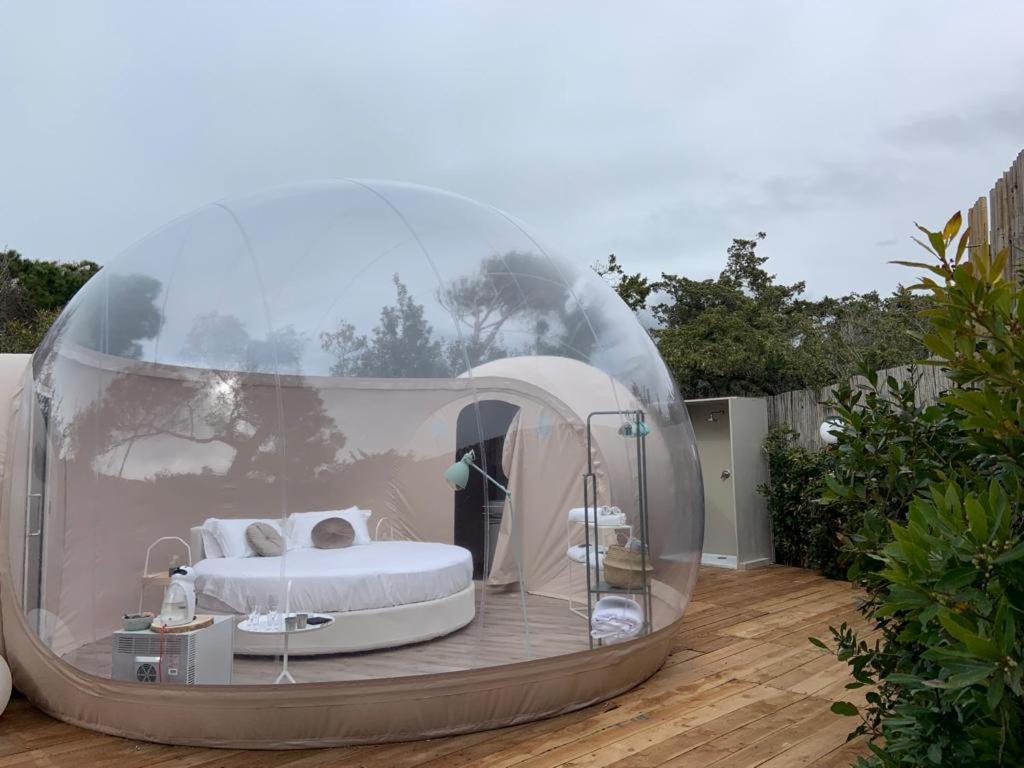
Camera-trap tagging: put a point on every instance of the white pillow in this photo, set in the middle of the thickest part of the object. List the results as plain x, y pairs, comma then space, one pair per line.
211, 548
301, 525
230, 534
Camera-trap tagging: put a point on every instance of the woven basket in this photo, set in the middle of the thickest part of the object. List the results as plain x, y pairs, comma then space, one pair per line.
624, 569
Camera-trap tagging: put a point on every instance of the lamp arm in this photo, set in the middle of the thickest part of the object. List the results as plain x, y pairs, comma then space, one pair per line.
518, 545
496, 483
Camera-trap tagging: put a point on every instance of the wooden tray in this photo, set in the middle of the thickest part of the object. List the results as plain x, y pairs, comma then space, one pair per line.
199, 622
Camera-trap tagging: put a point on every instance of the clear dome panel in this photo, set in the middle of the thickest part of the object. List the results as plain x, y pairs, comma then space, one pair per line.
378, 406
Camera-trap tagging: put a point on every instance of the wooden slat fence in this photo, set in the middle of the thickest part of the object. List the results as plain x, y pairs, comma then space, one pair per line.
805, 409
999, 221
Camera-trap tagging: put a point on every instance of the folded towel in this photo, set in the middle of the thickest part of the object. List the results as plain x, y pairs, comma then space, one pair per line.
613, 630
579, 554
605, 515
616, 619
605, 625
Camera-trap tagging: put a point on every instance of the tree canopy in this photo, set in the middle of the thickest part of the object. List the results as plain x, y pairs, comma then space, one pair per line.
743, 333
32, 294
401, 345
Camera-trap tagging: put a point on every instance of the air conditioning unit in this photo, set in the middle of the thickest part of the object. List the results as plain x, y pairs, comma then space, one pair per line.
200, 657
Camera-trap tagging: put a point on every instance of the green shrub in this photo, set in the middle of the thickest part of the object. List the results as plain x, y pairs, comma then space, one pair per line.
830, 509
24, 335
804, 534
946, 583
889, 450
947, 669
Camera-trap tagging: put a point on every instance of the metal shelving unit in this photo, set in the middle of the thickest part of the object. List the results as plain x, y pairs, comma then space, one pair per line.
596, 586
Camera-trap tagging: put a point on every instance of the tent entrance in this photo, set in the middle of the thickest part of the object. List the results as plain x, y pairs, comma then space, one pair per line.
481, 427
36, 506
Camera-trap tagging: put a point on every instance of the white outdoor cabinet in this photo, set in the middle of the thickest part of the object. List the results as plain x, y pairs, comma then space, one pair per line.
730, 432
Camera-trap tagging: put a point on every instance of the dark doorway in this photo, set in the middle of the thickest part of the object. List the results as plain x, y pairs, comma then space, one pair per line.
35, 515
481, 428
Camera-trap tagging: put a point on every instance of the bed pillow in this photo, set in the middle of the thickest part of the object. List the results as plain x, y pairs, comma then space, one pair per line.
265, 540
211, 548
333, 533
301, 524
231, 535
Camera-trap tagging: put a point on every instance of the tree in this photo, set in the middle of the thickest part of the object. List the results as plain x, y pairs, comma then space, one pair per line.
221, 341
32, 294
873, 332
633, 289
22, 335
400, 346
268, 431
741, 334
47, 284
744, 333
121, 312
515, 293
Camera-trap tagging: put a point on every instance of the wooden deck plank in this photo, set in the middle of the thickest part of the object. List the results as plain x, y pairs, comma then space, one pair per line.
719, 751
742, 687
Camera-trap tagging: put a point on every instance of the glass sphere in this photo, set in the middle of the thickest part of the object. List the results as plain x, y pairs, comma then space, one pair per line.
330, 351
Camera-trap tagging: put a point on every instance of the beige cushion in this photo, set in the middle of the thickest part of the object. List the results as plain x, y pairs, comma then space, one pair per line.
333, 533
265, 540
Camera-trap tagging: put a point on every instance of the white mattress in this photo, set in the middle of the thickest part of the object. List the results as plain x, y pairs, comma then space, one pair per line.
376, 575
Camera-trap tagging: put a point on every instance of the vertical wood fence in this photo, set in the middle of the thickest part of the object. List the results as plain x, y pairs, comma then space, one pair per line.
805, 409
997, 221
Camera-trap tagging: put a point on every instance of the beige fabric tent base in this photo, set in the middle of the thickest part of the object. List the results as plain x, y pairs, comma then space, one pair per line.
326, 714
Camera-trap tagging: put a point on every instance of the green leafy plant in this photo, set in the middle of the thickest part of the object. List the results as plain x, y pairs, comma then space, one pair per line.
802, 533
946, 576
947, 669
889, 449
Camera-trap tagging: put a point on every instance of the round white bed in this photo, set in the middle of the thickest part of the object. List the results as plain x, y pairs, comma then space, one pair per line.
381, 595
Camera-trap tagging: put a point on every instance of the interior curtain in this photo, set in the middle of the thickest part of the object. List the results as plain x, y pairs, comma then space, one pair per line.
503, 564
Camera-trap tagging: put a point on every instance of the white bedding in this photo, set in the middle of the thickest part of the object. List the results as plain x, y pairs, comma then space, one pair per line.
377, 575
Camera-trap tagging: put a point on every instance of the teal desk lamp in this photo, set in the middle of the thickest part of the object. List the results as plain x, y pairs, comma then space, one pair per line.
457, 476
634, 429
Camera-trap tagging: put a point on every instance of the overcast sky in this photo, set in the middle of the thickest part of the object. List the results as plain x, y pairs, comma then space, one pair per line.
654, 131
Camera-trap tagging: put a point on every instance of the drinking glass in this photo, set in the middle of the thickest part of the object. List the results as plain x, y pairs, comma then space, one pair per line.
254, 616
275, 616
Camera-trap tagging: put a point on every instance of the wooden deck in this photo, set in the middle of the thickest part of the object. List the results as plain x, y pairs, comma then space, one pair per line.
742, 688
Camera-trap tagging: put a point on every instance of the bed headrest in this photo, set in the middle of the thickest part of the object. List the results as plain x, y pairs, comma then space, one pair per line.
195, 536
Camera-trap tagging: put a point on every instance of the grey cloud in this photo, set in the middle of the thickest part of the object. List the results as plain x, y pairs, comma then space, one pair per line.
1000, 119
830, 185
590, 121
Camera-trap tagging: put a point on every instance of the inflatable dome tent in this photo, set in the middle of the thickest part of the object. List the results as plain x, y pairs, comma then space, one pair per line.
401, 454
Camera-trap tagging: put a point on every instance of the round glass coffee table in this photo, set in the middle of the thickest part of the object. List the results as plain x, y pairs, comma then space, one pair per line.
261, 628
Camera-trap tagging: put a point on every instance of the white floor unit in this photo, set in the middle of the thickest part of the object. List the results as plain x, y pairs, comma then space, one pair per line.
200, 657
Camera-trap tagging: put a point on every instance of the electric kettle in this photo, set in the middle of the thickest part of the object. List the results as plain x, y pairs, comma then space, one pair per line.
179, 605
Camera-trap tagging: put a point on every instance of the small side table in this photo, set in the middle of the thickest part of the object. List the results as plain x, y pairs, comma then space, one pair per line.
285, 676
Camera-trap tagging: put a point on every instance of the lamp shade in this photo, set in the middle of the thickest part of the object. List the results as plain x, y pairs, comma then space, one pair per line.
634, 429
828, 429
457, 475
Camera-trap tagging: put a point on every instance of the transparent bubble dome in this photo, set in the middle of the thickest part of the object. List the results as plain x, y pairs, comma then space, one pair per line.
327, 351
